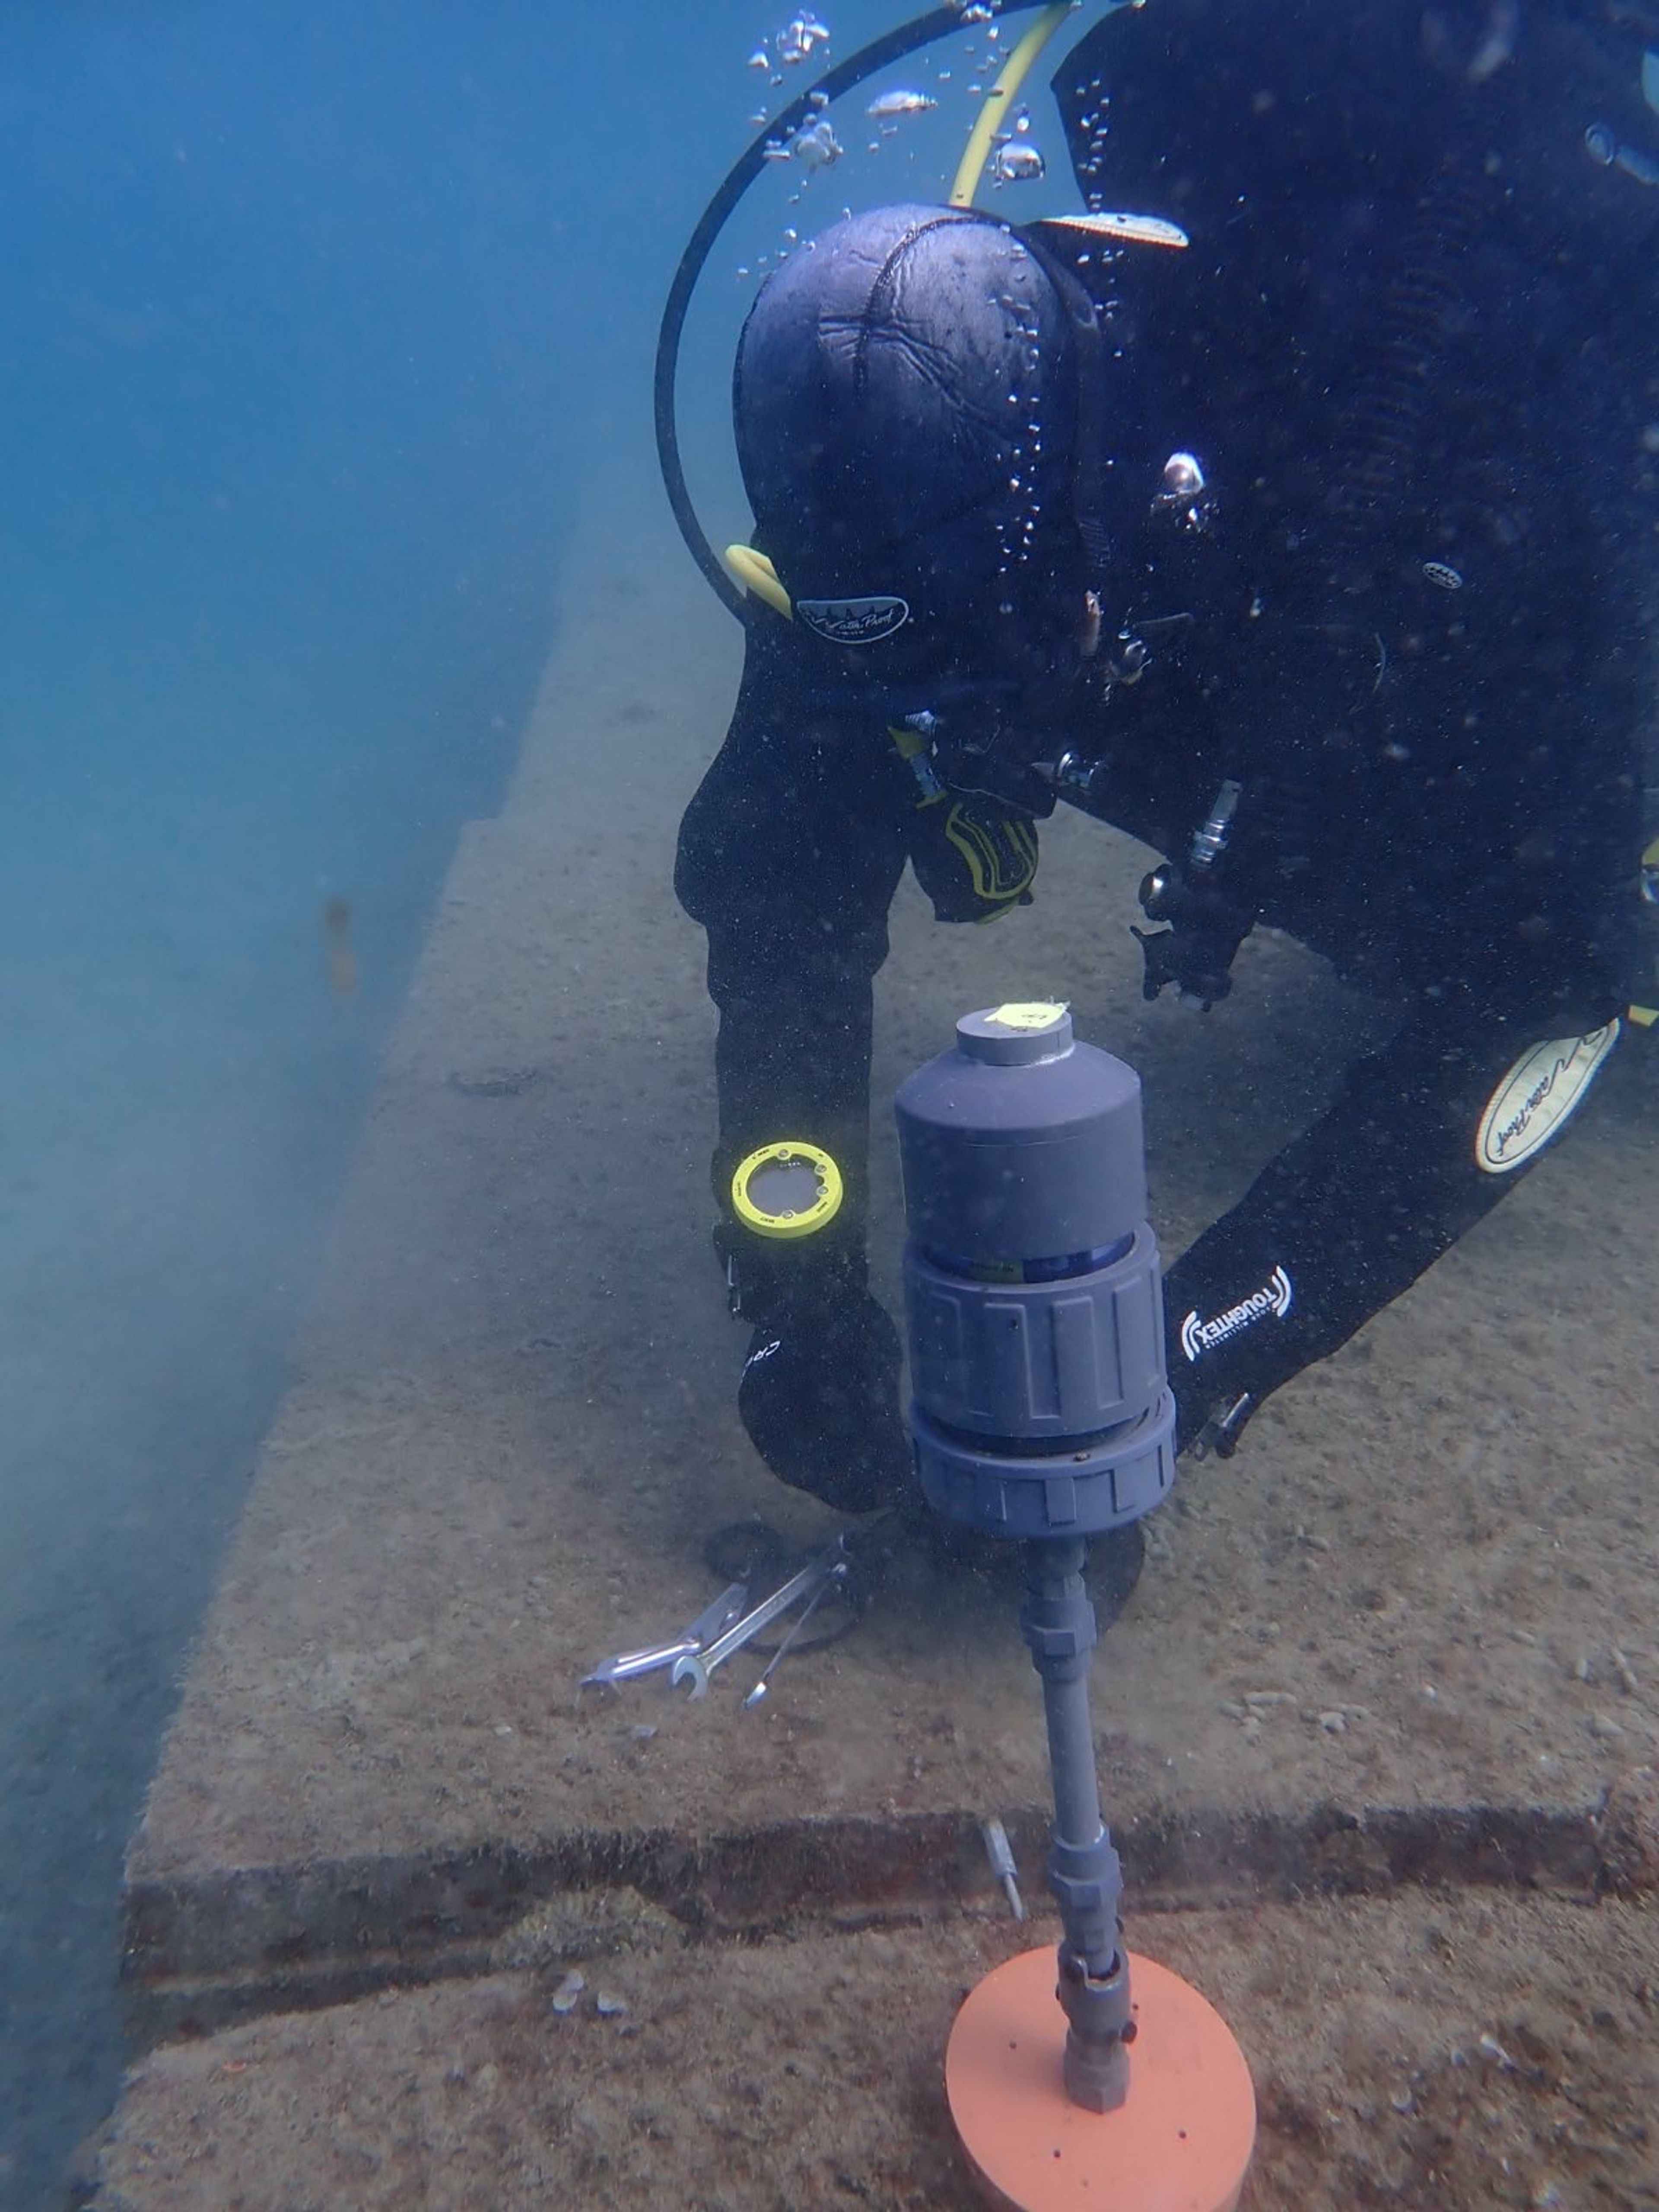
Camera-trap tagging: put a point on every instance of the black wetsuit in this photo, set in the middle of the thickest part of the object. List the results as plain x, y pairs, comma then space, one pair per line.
1413, 343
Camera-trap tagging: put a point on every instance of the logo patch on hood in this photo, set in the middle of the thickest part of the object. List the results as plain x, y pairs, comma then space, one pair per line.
854, 622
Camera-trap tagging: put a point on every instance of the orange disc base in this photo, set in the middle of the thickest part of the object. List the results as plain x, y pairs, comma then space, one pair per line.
1182, 2140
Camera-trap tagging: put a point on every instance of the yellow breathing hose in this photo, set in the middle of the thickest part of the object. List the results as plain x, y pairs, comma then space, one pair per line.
999, 98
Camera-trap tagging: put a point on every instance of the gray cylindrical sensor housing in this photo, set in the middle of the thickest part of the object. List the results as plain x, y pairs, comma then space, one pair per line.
1033, 1289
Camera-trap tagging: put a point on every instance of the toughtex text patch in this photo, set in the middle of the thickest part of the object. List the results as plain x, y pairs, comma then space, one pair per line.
1199, 1336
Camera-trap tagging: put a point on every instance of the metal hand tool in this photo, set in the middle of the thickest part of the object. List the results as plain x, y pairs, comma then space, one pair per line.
709, 1623
786, 1641
694, 1668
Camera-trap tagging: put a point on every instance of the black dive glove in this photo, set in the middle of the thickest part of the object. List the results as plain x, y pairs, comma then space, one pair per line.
819, 1398
819, 1393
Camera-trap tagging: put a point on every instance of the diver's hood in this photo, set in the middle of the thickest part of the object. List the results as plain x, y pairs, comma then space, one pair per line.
912, 401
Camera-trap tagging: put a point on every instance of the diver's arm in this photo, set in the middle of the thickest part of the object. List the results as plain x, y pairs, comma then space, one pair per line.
1423, 1139
789, 855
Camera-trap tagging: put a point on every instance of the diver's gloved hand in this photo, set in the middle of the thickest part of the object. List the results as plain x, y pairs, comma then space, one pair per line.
975, 858
819, 1398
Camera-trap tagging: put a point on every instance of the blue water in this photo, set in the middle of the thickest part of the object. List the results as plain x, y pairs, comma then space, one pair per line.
319, 325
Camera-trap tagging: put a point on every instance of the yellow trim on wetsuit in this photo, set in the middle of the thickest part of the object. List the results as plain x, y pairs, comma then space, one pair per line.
1644, 1017
756, 575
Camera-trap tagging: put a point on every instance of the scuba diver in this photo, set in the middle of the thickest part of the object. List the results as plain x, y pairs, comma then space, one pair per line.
1285, 509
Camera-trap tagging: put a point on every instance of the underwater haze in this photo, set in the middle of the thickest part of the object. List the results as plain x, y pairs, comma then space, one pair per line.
369, 1397
321, 322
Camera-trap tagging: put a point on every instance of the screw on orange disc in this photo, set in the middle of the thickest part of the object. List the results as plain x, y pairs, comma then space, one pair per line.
1182, 2140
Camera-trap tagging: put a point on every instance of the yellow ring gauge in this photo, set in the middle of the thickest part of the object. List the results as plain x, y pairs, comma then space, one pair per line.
787, 1189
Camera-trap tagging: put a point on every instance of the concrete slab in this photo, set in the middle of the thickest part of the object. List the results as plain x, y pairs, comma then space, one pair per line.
1407, 1630
754, 2077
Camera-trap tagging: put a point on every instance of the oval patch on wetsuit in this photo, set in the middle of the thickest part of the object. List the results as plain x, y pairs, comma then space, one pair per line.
854, 621
1537, 1095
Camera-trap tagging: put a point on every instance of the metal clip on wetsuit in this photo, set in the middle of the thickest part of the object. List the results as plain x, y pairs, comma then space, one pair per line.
1205, 928
1196, 949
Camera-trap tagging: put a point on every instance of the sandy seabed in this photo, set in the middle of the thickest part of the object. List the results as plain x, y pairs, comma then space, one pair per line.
1440, 2052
